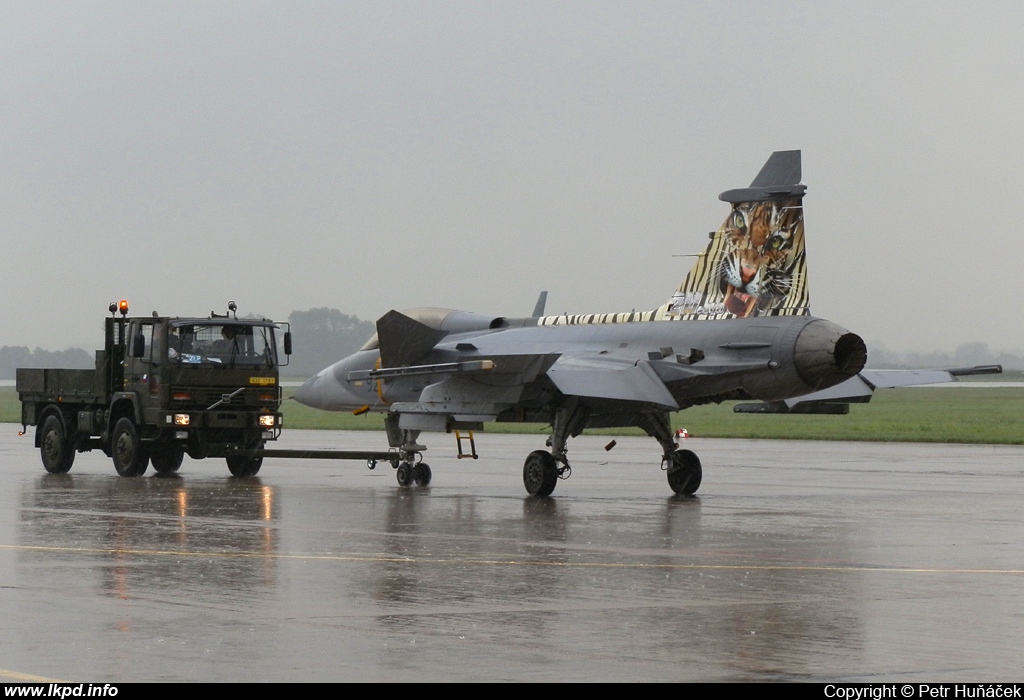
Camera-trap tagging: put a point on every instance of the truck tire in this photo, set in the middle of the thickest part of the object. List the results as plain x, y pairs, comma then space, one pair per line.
54, 447
240, 465
167, 460
243, 465
129, 454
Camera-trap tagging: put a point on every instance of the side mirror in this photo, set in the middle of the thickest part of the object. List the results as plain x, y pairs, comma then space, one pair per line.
288, 343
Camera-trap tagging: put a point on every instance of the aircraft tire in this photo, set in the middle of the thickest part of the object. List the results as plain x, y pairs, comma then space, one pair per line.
421, 474
540, 473
54, 448
131, 458
404, 474
684, 473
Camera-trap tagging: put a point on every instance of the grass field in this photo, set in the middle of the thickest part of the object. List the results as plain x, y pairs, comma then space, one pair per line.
934, 414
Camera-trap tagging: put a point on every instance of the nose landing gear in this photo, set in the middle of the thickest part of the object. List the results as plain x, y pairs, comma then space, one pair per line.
410, 474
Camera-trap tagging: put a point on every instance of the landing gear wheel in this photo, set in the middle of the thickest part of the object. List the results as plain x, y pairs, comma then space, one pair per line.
54, 448
404, 474
540, 473
684, 473
421, 474
130, 456
168, 460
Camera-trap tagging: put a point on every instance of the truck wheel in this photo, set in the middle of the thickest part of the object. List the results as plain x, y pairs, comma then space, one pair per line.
244, 465
168, 460
240, 465
54, 447
130, 455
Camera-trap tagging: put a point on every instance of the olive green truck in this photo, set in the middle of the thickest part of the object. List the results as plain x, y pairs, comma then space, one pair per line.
163, 387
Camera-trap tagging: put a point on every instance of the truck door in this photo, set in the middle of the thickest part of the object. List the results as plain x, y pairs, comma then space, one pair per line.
143, 362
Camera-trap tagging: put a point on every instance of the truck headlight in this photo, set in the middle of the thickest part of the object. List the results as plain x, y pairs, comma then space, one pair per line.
181, 419
267, 421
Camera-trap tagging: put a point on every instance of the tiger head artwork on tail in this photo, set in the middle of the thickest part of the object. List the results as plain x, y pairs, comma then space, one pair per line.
755, 263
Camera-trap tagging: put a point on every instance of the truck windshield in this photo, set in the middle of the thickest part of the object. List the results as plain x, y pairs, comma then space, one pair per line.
228, 344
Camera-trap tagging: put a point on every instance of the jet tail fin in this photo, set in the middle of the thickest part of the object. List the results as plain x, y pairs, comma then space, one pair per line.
781, 169
755, 264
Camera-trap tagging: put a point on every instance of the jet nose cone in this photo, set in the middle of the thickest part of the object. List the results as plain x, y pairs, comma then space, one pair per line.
826, 354
313, 393
329, 390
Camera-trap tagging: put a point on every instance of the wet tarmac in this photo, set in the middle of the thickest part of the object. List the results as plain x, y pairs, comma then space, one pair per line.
797, 561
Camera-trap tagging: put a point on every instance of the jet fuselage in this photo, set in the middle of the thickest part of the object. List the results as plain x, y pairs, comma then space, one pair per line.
765, 358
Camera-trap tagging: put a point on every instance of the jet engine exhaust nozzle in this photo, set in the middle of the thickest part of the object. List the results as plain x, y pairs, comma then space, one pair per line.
827, 354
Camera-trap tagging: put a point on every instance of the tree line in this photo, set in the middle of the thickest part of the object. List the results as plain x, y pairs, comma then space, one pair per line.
12, 357
321, 337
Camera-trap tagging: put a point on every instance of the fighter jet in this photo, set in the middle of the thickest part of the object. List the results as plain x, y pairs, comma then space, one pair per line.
738, 327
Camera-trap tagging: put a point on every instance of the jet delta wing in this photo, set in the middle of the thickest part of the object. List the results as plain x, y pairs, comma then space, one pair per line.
738, 327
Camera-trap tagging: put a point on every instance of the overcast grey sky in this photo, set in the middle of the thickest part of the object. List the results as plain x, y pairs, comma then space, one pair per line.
369, 156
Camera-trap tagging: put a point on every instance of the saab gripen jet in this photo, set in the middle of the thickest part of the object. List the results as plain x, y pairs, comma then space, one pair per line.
738, 327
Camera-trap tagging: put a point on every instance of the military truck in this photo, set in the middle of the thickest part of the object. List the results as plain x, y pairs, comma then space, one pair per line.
163, 387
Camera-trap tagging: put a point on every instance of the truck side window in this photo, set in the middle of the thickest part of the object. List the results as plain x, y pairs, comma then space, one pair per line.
143, 336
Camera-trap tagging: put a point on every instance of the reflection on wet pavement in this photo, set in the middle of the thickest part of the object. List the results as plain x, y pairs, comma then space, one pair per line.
816, 561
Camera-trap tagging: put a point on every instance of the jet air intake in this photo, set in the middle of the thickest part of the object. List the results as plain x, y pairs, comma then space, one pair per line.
827, 354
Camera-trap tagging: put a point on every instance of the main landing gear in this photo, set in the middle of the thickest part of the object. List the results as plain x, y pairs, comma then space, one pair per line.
682, 467
543, 469
540, 473
684, 472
